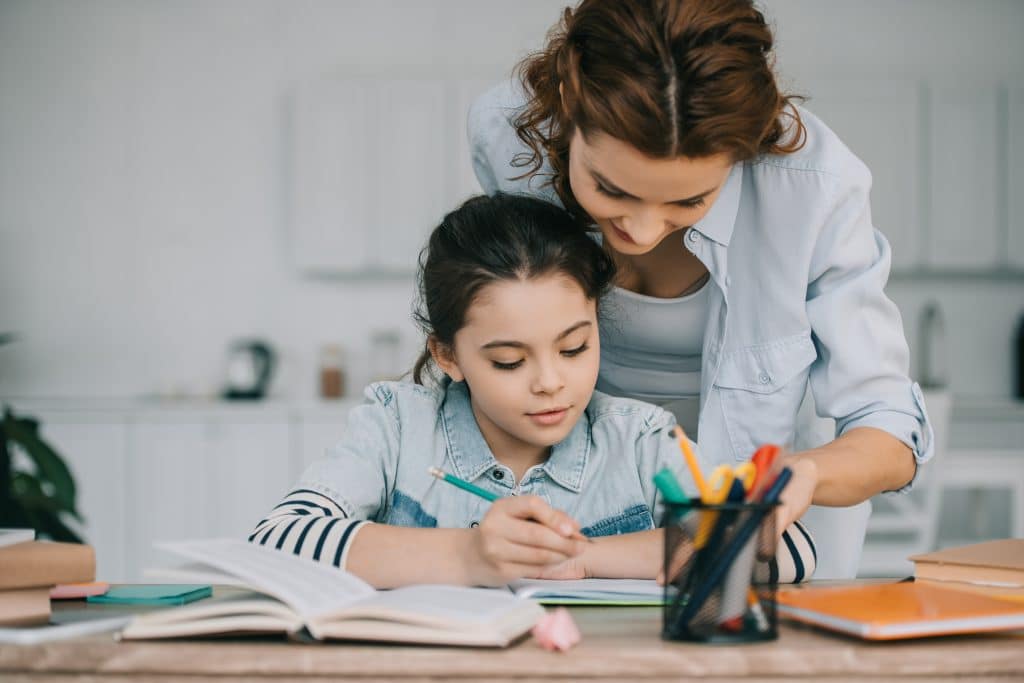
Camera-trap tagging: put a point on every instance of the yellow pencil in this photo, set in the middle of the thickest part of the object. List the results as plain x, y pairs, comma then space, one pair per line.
691, 462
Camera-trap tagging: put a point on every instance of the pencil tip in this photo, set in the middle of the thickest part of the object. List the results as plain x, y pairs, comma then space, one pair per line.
436, 472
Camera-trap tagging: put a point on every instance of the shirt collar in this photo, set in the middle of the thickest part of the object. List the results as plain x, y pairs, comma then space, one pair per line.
472, 457
720, 220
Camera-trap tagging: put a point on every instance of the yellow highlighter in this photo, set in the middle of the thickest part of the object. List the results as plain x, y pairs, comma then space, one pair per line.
719, 485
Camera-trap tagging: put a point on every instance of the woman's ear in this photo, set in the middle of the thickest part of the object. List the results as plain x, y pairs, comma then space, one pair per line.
444, 358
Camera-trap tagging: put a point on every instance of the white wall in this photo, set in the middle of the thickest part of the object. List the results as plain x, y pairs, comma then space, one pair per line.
142, 172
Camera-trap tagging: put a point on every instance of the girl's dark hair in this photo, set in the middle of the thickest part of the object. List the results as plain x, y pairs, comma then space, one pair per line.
501, 237
671, 78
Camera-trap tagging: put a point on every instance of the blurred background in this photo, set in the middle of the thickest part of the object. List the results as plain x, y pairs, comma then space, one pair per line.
226, 198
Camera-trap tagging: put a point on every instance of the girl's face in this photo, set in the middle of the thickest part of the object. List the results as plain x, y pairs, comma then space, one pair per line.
529, 352
638, 201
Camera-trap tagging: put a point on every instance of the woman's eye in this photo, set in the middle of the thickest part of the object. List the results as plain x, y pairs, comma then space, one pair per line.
692, 204
569, 353
498, 365
609, 193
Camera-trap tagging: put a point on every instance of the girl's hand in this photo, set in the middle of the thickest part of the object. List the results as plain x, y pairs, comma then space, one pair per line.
521, 537
798, 494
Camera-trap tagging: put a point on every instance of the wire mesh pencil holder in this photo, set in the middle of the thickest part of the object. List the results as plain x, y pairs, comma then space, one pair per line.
714, 592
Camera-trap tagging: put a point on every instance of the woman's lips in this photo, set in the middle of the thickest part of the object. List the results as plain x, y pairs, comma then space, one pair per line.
548, 418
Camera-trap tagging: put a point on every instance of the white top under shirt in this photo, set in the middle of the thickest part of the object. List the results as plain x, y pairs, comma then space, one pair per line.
651, 350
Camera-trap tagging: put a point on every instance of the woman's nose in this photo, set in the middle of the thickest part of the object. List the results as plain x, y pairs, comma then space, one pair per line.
646, 227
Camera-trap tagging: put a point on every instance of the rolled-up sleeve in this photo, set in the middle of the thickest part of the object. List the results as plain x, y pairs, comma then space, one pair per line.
861, 376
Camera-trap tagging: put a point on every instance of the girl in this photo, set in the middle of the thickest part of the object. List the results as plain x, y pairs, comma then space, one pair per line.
510, 288
748, 267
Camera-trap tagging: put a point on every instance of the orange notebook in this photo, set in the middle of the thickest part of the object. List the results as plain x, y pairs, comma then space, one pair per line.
890, 611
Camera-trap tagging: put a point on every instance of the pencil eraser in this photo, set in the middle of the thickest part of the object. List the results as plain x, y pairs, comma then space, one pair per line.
556, 630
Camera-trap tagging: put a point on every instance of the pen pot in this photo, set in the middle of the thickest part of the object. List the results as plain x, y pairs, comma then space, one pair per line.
714, 591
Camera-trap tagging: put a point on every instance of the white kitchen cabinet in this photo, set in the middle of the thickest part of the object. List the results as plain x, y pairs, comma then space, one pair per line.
1015, 179
330, 205
249, 466
880, 121
94, 449
963, 231
377, 161
166, 486
412, 146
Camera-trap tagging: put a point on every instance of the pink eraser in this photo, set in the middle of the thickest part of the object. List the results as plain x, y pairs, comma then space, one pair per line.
556, 630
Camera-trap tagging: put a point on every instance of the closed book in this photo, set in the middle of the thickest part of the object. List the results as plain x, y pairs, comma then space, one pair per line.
892, 611
993, 563
25, 606
287, 594
45, 563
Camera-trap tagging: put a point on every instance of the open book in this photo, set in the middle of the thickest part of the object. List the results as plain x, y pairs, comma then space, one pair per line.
289, 594
607, 592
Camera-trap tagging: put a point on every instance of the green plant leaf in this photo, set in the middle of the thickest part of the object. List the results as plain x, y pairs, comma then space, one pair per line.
25, 433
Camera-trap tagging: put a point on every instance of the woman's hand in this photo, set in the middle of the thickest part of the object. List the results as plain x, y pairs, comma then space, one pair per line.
798, 494
522, 537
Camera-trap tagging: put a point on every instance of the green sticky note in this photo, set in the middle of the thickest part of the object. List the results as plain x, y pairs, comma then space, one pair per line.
156, 594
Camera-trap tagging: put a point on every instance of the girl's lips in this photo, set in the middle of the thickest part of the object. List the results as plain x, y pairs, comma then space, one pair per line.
549, 417
622, 234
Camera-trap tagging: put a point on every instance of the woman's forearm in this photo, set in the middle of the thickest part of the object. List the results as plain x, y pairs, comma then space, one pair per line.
391, 556
861, 463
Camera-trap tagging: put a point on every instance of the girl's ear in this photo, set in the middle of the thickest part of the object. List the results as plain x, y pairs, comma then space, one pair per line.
444, 358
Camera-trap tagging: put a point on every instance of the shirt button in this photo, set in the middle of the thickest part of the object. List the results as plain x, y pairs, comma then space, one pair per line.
498, 474
473, 525
728, 281
764, 378
692, 236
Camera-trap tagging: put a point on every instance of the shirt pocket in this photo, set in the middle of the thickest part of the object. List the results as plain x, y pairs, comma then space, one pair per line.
761, 388
632, 519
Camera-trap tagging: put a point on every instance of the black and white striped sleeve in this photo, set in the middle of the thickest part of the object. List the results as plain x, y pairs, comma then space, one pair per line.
311, 525
795, 559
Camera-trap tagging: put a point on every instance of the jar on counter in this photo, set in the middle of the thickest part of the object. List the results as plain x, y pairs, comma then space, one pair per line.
332, 374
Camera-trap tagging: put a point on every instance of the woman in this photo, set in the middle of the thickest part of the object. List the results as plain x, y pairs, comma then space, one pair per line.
740, 224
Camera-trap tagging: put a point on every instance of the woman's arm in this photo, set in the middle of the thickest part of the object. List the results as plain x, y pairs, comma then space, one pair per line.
861, 463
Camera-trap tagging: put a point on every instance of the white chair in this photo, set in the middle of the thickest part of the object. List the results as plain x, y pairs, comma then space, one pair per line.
902, 525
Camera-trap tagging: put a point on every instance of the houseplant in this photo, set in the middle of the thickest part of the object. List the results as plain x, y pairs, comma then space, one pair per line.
36, 487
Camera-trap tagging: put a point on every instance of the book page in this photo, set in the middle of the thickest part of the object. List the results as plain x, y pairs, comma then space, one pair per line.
309, 588
455, 607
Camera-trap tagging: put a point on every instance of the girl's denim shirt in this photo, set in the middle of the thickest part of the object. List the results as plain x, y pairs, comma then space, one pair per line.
798, 273
600, 474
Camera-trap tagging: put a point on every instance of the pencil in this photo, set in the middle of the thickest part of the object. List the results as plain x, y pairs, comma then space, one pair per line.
464, 485
691, 462
486, 495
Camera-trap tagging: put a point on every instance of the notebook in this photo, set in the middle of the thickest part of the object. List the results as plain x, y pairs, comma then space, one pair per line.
890, 611
607, 592
993, 563
293, 595
157, 595
32, 564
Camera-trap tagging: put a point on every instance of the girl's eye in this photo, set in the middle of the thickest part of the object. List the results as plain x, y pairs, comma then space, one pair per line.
609, 193
569, 353
498, 365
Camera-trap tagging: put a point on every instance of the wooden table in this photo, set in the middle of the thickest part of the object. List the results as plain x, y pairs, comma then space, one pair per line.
618, 644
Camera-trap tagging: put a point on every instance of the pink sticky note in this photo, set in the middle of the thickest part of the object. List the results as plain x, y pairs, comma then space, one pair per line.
77, 591
556, 631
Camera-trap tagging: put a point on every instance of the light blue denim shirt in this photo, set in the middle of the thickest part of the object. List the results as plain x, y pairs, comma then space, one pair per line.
799, 273
600, 474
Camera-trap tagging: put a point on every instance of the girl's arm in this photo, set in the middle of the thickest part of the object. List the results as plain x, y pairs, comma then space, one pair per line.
519, 537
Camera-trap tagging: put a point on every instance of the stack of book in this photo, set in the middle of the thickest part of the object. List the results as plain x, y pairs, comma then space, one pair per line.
994, 568
30, 569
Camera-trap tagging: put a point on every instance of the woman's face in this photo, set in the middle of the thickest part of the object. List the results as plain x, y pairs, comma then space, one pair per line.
638, 201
